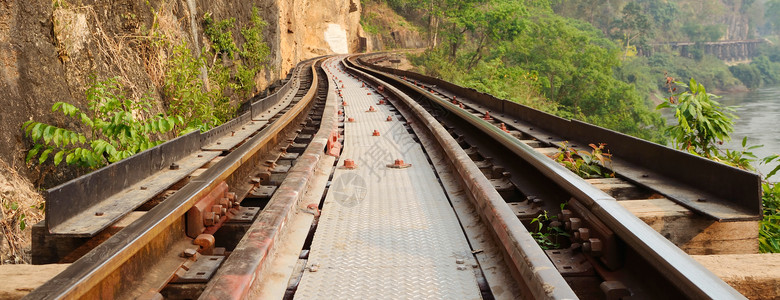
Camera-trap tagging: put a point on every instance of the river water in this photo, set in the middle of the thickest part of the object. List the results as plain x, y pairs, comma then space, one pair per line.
759, 121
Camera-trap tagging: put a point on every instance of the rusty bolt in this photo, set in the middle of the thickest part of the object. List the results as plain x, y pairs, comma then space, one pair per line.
344, 103
340, 113
376, 132
399, 164
503, 127
614, 290
583, 233
349, 164
576, 223
381, 101
189, 252
371, 109
565, 214
209, 218
217, 209
225, 202
351, 119
487, 116
593, 247
460, 105
389, 118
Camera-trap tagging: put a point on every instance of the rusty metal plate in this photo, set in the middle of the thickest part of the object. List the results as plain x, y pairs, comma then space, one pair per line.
201, 270
262, 191
569, 263
245, 215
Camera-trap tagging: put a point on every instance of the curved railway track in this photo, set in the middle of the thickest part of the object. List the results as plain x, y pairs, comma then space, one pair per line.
210, 214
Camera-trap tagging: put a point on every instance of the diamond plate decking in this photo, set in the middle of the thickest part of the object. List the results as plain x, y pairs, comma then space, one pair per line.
385, 232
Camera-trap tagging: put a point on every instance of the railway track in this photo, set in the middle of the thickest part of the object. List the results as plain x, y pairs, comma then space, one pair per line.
237, 214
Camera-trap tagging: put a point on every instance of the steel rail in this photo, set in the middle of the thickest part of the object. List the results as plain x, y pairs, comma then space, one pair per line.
244, 267
687, 274
87, 276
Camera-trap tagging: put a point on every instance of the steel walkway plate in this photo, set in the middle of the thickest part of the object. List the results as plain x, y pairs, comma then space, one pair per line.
385, 232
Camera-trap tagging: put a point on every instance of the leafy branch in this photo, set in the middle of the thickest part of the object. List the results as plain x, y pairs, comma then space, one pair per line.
584, 163
114, 130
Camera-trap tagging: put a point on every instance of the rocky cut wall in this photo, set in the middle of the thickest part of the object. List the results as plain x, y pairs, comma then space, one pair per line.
49, 50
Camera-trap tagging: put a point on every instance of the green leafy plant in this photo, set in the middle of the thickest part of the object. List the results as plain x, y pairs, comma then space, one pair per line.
547, 236
186, 94
702, 122
114, 129
220, 35
255, 51
584, 163
769, 230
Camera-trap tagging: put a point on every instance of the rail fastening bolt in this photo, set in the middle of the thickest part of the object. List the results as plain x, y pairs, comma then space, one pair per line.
209, 218
583, 233
576, 223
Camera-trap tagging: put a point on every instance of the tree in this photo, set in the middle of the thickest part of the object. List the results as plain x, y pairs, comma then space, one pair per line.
773, 14
633, 26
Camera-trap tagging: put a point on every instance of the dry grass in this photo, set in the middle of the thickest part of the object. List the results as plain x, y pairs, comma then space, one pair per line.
20, 204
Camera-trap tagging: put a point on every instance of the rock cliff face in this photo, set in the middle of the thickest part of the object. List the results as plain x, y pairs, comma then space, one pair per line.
402, 38
49, 50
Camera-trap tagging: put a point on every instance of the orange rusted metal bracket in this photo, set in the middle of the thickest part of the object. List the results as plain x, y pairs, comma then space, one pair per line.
211, 211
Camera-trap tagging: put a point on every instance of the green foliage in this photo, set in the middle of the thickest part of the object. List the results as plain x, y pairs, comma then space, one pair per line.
255, 50
644, 72
493, 77
368, 22
547, 236
575, 64
772, 14
763, 70
748, 74
632, 26
583, 163
246, 62
769, 230
701, 122
220, 35
115, 130
551, 63
186, 96
697, 32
